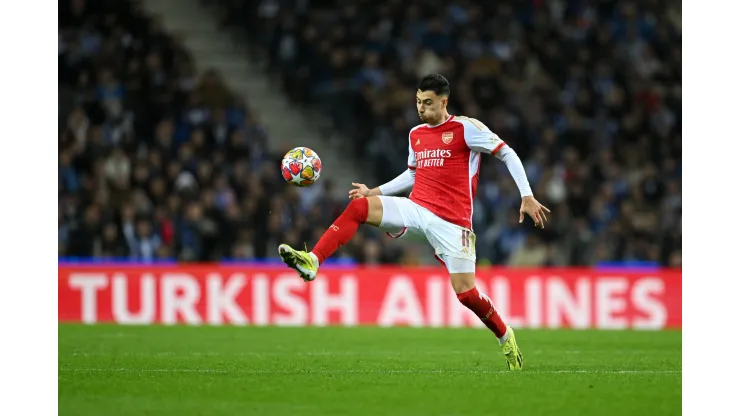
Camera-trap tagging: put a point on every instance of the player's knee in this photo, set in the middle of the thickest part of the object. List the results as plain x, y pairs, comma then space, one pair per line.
462, 282
374, 210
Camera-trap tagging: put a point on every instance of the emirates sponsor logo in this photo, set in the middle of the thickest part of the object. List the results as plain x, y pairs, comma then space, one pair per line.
432, 157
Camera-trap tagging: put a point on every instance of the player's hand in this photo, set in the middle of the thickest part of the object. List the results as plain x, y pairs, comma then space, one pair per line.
534, 209
360, 191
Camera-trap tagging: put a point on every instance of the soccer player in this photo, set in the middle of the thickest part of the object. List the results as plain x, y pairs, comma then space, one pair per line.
443, 166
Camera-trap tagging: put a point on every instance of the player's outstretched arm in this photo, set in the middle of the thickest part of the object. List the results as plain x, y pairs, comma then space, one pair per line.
530, 206
481, 139
401, 183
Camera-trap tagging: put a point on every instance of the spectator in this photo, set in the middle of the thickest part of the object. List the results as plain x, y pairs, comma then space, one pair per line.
532, 254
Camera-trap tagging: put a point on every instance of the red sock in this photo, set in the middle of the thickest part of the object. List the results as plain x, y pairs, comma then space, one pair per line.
343, 229
483, 308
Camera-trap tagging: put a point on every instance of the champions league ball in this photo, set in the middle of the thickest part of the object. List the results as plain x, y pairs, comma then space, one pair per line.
301, 167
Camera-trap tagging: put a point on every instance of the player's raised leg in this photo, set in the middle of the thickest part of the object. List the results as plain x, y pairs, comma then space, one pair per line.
359, 211
462, 277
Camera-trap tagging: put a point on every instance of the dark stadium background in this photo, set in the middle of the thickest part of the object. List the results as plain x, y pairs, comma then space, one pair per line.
161, 159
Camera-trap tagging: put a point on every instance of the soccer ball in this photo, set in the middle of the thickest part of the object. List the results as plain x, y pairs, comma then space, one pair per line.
301, 167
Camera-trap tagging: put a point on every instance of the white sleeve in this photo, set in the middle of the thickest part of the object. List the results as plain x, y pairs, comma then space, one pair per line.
507, 155
401, 183
479, 137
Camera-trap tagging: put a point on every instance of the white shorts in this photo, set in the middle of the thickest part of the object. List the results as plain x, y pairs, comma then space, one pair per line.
454, 246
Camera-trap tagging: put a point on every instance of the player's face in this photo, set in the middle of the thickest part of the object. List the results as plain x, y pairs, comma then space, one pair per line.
430, 106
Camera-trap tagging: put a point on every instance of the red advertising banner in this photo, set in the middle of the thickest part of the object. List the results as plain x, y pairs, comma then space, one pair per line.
383, 296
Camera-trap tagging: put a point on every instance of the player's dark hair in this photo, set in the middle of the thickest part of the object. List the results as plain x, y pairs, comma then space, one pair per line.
436, 83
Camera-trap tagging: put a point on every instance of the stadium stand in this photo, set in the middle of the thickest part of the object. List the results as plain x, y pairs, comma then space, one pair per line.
158, 161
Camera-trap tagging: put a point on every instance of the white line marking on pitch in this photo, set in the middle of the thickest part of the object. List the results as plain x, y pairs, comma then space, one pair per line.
297, 372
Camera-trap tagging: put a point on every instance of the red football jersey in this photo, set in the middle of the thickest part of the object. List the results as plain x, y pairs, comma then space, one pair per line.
446, 159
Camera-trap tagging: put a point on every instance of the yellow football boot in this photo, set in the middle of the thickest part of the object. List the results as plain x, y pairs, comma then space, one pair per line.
514, 357
300, 261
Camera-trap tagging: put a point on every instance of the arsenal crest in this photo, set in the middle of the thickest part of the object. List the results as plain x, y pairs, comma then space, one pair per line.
447, 137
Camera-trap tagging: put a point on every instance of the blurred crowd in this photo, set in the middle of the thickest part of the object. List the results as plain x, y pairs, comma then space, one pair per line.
587, 92
160, 161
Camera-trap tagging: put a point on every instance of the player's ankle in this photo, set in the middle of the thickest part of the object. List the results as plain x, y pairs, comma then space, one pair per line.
503, 338
314, 259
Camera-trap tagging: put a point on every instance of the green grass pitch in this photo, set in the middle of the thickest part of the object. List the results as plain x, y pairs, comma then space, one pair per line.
157, 370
